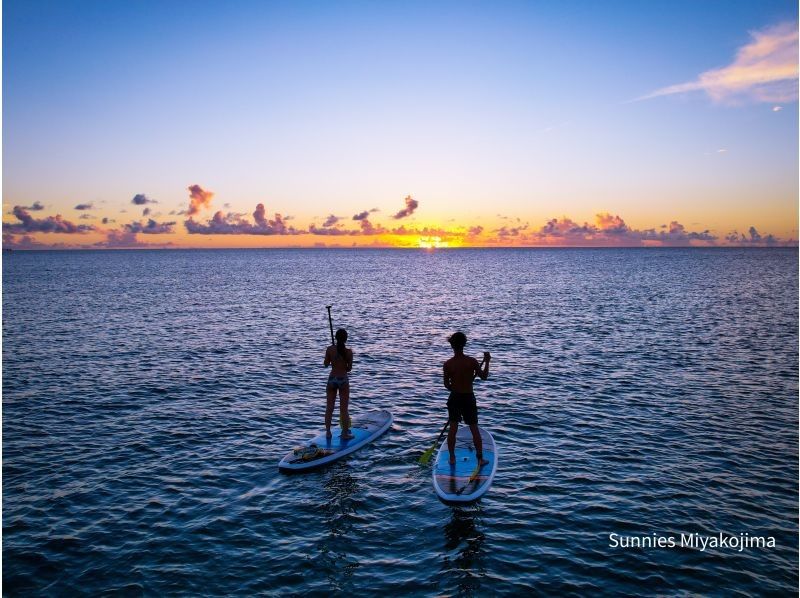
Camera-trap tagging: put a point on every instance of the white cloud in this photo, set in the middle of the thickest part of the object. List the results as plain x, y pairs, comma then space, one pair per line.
764, 70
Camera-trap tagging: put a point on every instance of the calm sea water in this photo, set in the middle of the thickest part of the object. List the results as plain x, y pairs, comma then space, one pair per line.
148, 396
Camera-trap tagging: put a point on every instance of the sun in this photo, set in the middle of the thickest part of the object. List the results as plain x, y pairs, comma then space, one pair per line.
432, 243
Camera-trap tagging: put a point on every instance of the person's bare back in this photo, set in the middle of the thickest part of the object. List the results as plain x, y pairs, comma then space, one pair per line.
459, 372
339, 365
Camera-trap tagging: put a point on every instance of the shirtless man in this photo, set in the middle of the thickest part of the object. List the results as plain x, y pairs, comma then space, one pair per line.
459, 372
340, 358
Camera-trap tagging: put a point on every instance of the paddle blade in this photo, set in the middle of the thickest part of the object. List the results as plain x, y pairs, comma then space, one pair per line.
426, 456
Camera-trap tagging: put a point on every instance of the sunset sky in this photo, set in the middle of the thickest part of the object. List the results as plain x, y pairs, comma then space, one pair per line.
258, 124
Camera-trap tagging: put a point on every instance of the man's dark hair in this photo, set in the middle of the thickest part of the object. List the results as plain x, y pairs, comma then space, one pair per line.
458, 340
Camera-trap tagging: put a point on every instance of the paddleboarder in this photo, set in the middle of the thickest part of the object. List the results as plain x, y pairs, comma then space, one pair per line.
459, 372
340, 358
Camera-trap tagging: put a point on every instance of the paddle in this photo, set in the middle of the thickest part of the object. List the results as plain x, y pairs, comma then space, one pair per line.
426, 456
330, 322
473, 476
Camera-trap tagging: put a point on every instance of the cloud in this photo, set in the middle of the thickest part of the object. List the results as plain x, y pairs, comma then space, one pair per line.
411, 205
260, 215
126, 239
117, 239
676, 234
51, 224
364, 214
141, 199
552, 128
84, 206
367, 228
753, 237
314, 230
425, 232
235, 224
613, 225
612, 230
277, 226
329, 226
198, 198
86, 217
764, 70
510, 231
36, 207
11, 241
150, 228
565, 227
145, 212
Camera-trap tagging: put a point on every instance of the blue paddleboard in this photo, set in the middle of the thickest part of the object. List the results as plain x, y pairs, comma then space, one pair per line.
465, 482
321, 450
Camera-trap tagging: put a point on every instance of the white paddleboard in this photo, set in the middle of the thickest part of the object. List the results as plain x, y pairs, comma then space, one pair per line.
465, 482
321, 450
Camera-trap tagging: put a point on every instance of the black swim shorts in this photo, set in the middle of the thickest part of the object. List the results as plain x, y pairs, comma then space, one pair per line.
461, 405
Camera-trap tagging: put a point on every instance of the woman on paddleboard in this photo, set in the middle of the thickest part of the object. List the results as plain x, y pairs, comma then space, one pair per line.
340, 358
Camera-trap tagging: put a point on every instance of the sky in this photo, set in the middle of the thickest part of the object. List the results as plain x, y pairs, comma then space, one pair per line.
413, 124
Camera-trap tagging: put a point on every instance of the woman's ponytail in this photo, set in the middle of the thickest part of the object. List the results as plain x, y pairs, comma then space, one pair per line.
341, 337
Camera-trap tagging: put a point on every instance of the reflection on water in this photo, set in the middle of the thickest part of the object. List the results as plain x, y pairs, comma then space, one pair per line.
463, 561
341, 486
338, 508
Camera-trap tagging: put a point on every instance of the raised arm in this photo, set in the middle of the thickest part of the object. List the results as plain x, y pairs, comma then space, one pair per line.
483, 372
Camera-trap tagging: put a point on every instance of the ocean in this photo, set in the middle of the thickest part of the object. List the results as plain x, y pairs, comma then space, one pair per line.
634, 393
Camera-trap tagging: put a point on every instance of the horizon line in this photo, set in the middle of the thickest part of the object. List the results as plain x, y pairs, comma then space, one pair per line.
394, 248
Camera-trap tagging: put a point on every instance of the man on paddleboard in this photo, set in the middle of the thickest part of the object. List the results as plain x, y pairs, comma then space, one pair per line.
459, 372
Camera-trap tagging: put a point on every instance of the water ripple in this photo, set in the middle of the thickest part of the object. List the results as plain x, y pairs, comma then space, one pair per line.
149, 395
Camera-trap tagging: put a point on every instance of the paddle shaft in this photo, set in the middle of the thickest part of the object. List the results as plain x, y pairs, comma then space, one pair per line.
330, 322
438, 440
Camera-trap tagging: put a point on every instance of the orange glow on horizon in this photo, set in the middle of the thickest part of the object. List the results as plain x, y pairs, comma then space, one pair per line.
606, 229
432, 243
